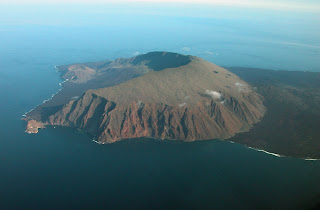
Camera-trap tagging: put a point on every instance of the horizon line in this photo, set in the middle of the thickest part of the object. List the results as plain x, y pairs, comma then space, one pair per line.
258, 4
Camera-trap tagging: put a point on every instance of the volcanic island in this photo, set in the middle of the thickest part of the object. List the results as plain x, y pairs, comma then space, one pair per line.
170, 96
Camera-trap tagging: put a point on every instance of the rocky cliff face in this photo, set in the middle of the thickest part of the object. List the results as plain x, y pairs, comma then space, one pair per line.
190, 100
111, 122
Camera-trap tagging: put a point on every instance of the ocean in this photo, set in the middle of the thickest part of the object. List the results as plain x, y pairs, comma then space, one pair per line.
63, 168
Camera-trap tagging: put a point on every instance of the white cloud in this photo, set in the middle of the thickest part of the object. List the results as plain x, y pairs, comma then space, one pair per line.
186, 49
213, 94
209, 52
183, 104
139, 104
74, 97
294, 43
238, 84
136, 53
241, 87
264, 4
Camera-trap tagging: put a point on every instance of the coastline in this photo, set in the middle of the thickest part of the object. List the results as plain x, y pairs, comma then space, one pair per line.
44, 101
248, 147
271, 153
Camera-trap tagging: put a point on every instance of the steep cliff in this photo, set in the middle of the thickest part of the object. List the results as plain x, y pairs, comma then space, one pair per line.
111, 122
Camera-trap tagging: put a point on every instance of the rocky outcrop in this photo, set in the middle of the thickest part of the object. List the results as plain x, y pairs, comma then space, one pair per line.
79, 73
33, 126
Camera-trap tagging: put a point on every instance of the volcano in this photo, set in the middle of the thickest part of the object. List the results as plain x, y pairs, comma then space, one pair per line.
158, 95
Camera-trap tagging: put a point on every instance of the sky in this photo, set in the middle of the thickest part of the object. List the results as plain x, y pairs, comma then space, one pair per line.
267, 34
310, 5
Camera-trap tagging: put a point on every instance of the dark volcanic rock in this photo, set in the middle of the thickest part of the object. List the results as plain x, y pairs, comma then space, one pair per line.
291, 126
162, 60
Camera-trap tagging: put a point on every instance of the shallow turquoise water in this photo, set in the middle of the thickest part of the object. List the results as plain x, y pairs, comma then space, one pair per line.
62, 167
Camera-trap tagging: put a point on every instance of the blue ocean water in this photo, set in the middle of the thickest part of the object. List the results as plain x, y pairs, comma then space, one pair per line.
63, 167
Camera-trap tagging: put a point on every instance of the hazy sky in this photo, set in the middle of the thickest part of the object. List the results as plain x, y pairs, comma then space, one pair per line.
312, 5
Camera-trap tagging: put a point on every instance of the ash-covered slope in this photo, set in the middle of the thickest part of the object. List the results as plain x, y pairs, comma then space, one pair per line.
176, 97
